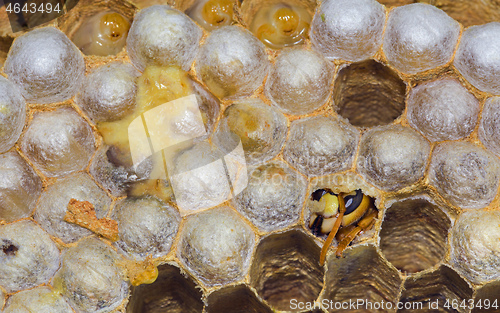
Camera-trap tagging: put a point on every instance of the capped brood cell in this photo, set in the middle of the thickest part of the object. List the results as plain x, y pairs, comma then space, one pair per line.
89, 277
161, 35
475, 58
464, 174
475, 249
321, 145
58, 142
261, 130
442, 110
53, 205
109, 91
419, 37
146, 226
392, 157
232, 62
299, 81
20, 189
41, 299
216, 246
45, 65
28, 256
273, 197
489, 126
348, 30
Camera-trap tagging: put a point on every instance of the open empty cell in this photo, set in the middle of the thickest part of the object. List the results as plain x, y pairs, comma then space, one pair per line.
487, 299
414, 234
171, 292
362, 276
437, 289
286, 266
369, 94
235, 300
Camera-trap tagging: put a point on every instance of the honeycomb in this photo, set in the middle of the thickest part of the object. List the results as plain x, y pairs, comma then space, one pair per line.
395, 98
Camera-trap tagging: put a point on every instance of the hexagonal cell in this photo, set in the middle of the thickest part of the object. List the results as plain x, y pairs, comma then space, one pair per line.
98, 27
487, 299
173, 291
28, 256
360, 275
89, 277
109, 92
419, 37
442, 110
286, 266
475, 248
464, 174
414, 234
299, 81
235, 300
20, 187
53, 205
216, 246
40, 300
273, 197
146, 226
260, 128
58, 142
209, 14
348, 29
430, 292
321, 145
279, 24
465, 12
392, 157
369, 94
475, 58
62, 72
232, 62
199, 178
161, 35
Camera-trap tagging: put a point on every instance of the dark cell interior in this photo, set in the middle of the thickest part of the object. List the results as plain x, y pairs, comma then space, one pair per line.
433, 290
235, 300
361, 275
171, 292
286, 266
414, 235
487, 298
369, 94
